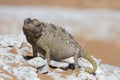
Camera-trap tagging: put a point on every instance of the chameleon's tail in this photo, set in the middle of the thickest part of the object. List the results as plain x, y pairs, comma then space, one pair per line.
92, 61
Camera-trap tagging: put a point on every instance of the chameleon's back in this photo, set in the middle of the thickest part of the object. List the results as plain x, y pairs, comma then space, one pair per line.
60, 42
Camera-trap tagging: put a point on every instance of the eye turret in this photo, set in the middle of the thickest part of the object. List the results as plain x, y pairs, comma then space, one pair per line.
27, 21
36, 22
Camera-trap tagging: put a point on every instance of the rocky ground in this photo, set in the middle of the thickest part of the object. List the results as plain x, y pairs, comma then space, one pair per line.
14, 66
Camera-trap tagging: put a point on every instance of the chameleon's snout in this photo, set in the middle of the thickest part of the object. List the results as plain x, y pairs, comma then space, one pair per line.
27, 21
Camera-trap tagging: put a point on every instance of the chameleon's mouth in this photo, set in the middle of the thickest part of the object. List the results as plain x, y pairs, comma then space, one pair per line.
27, 21
28, 25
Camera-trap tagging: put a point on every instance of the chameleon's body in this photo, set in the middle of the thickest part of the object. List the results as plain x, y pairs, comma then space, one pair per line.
53, 42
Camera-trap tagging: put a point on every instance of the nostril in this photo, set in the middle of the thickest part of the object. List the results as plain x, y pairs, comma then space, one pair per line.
27, 21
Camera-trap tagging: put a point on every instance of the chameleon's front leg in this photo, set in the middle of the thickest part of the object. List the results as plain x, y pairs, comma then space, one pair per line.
76, 56
34, 52
48, 56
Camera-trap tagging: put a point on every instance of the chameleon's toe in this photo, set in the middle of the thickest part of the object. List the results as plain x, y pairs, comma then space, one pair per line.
94, 73
71, 66
76, 73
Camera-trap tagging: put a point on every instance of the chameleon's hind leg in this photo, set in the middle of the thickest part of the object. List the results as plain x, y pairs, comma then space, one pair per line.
76, 56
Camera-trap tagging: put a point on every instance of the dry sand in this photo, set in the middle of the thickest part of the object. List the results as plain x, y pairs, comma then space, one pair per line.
111, 4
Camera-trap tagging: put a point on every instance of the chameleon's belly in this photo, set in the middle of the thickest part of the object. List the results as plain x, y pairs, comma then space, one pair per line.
61, 53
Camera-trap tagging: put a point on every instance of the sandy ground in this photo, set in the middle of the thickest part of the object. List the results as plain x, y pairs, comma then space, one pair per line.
111, 4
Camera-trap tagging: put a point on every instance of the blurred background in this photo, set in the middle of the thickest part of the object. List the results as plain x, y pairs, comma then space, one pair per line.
95, 24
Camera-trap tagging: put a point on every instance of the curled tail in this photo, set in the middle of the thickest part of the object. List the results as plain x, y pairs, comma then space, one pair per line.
92, 61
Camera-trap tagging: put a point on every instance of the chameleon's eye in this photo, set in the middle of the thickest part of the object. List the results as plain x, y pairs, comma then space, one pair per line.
27, 21
36, 22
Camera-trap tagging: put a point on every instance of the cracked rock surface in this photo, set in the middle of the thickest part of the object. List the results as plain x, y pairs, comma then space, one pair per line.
13, 66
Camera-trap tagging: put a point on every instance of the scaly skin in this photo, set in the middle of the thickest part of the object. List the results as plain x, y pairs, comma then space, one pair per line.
53, 42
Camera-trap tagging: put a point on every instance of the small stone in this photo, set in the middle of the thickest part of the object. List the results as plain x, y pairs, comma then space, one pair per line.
36, 62
43, 69
112, 77
59, 64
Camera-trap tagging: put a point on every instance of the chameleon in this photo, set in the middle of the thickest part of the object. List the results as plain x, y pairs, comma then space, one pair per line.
55, 43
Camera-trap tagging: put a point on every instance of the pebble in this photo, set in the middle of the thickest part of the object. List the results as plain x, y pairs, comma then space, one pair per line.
36, 62
58, 64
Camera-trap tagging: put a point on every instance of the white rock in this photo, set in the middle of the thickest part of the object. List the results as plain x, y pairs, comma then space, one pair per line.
101, 77
83, 76
43, 69
69, 60
58, 64
12, 40
73, 77
5, 75
112, 77
36, 62
4, 50
99, 71
1, 78
56, 76
28, 73
13, 58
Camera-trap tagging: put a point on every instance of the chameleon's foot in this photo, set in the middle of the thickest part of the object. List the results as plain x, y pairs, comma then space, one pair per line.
71, 66
44, 69
76, 73
94, 73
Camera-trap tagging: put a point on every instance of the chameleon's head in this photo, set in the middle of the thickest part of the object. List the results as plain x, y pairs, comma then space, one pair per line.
31, 24
31, 29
